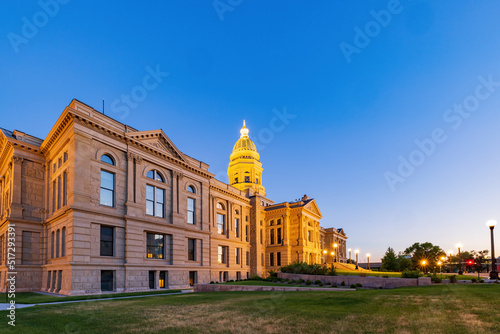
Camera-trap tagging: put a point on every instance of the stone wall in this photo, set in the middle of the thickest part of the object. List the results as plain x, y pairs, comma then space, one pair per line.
367, 282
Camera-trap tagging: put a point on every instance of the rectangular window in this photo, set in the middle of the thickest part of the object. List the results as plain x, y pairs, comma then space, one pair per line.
59, 192
63, 242
246, 232
155, 246
237, 255
220, 224
106, 280
225, 276
272, 237
261, 236
59, 280
52, 245
162, 283
49, 279
54, 195
238, 275
279, 235
248, 258
191, 211
236, 227
278, 259
222, 254
107, 189
271, 259
107, 241
2, 245
65, 189
155, 201
58, 236
309, 236
152, 279
193, 278
192, 249
65, 156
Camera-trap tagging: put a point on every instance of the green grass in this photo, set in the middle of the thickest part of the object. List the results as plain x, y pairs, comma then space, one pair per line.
457, 309
36, 298
266, 283
375, 274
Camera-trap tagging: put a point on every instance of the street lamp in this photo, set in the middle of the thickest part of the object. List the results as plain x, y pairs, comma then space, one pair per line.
350, 255
440, 264
324, 254
460, 272
335, 248
368, 257
356, 252
450, 253
424, 263
494, 272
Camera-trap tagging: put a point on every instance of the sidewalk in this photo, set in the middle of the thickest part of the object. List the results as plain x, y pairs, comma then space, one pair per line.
4, 306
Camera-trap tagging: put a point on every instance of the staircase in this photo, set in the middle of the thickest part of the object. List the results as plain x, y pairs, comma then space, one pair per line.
350, 267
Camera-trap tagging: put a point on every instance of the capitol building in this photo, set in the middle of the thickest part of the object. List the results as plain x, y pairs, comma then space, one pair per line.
100, 206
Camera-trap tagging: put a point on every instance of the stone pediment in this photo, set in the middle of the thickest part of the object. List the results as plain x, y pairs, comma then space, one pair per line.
313, 208
159, 140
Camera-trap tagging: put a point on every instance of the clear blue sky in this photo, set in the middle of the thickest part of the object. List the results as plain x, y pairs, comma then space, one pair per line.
356, 112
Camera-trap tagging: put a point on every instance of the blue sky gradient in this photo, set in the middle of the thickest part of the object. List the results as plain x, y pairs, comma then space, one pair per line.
354, 117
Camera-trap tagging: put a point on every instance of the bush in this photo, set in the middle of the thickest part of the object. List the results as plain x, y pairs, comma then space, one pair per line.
320, 284
300, 281
317, 282
353, 286
436, 279
385, 276
304, 268
481, 281
328, 283
342, 284
308, 282
212, 282
474, 280
273, 274
292, 281
411, 274
359, 285
453, 279
255, 278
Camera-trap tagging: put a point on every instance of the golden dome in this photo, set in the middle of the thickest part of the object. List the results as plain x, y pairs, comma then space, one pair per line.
244, 143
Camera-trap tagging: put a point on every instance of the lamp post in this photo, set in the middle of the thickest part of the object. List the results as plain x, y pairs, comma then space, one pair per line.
368, 258
356, 252
440, 264
335, 248
460, 272
450, 253
493, 272
350, 255
424, 263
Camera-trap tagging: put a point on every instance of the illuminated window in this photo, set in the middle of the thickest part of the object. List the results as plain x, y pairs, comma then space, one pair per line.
107, 241
155, 201
220, 224
155, 246
191, 208
163, 279
107, 188
193, 278
191, 249
107, 159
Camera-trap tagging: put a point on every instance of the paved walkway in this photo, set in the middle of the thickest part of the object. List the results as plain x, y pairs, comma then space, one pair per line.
4, 306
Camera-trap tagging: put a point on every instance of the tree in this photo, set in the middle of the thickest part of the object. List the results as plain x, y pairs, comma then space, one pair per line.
405, 263
390, 261
425, 251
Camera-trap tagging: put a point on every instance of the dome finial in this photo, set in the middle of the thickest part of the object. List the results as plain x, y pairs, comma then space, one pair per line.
244, 131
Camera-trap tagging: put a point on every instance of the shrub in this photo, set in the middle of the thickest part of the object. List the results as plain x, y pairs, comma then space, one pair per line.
328, 283
300, 281
359, 285
453, 279
291, 281
317, 282
286, 280
385, 276
255, 278
231, 280
331, 271
411, 274
273, 274
436, 279
304, 268
320, 284
342, 284
481, 281
353, 286
474, 280
212, 282
308, 282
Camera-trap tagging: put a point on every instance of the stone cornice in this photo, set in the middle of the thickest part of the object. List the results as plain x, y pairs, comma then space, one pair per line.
229, 193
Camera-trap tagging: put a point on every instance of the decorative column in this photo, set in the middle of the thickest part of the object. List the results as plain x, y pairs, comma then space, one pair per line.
16, 208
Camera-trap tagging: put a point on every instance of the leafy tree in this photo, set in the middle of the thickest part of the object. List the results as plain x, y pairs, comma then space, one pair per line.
390, 261
404, 262
425, 251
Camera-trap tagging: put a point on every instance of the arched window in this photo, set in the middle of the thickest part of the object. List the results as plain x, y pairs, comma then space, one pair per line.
108, 159
220, 206
236, 212
155, 175
191, 189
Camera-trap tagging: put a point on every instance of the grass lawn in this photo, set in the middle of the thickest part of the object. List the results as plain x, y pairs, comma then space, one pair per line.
453, 309
35, 298
266, 283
